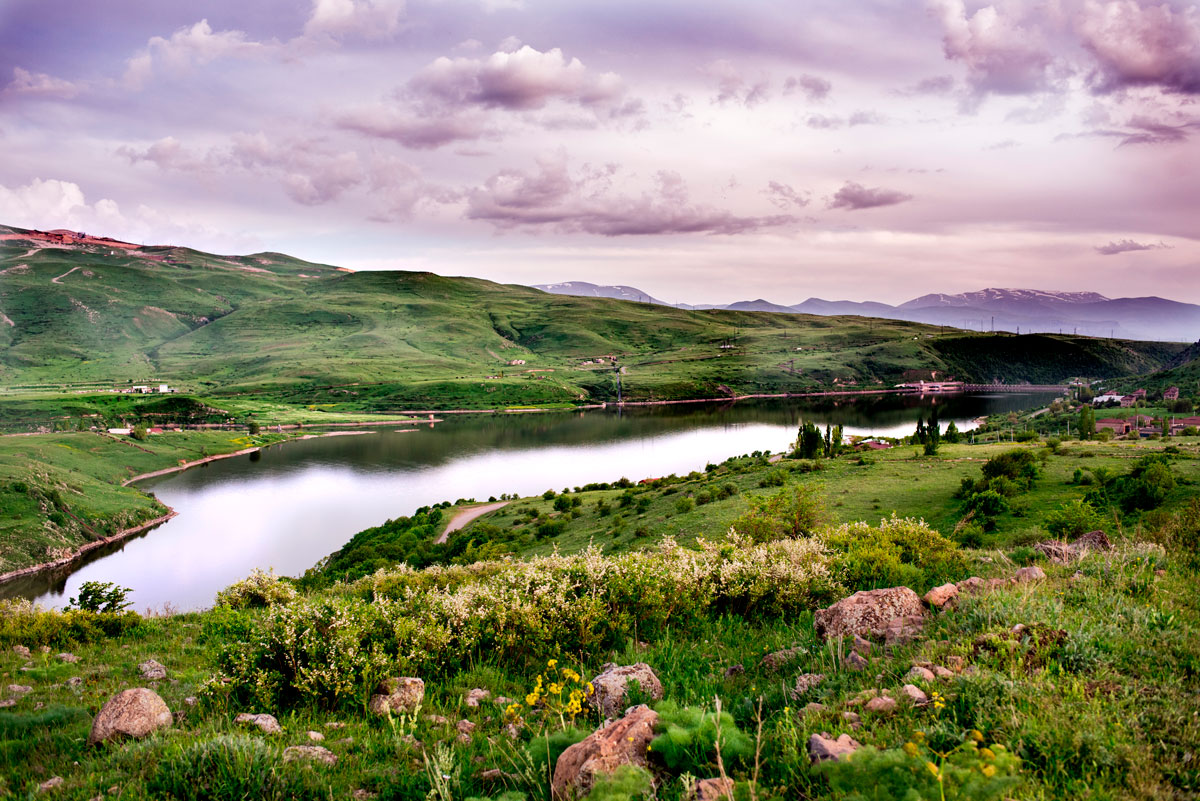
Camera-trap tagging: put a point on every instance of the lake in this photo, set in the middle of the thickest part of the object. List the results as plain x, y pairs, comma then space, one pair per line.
290, 505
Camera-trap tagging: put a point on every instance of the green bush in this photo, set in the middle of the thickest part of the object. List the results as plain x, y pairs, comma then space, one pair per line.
1072, 519
256, 591
688, 736
900, 551
1019, 465
23, 623
915, 773
228, 768
101, 596
790, 513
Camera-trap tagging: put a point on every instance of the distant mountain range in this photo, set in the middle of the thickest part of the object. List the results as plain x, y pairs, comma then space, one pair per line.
1017, 310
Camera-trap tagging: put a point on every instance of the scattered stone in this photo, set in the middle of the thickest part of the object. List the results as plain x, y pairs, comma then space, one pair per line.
363, 795
942, 673
970, 586
862, 646
19, 689
135, 712
190, 701
21, 651
474, 697
438, 720
1032, 573
852, 718
938, 597
50, 784
904, 629
813, 707
856, 662
734, 670
714, 789
805, 682
503, 700
465, 727
1056, 551
513, 731
881, 705
74, 681
822, 748
868, 612
45, 649
955, 663
621, 742
67, 657
310, 753
914, 694
402, 694
919, 673
267, 723
7, 702
333, 724
152, 670
316, 736
612, 687
774, 661
1093, 540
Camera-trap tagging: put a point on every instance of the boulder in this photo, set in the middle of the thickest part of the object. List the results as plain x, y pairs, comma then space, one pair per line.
152, 670
1093, 540
774, 661
919, 673
805, 682
734, 670
938, 597
881, 705
714, 789
130, 713
612, 687
309, 753
903, 630
970, 586
399, 695
856, 662
67, 657
822, 748
1032, 573
474, 697
21, 651
621, 742
267, 723
868, 612
914, 694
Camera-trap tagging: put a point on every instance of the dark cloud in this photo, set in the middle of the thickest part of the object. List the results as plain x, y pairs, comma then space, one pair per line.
853, 196
412, 130
1142, 45
785, 197
551, 198
814, 87
1126, 246
1143, 130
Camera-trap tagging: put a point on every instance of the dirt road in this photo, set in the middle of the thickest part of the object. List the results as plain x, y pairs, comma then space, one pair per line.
464, 516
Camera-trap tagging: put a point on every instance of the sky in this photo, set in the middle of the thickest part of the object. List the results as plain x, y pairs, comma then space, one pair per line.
702, 152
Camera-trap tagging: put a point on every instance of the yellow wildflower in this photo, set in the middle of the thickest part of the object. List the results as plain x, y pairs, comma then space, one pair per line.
910, 749
977, 735
987, 753
989, 770
933, 769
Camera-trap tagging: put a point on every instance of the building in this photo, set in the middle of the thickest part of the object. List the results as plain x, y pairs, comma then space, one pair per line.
1113, 424
1171, 394
1128, 400
1108, 397
516, 362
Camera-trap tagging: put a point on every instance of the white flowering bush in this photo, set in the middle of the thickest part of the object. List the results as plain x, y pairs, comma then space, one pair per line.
257, 590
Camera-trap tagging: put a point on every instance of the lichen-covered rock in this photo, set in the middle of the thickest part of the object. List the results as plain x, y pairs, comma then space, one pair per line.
398, 695
1031, 573
822, 747
309, 753
805, 682
914, 694
476, 696
774, 661
267, 723
867, 613
66, 656
152, 670
1093, 540
621, 742
970, 586
135, 712
919, 673
612, 687
938, 597
716, 789
856, 662
904, 629
881, 705
21, 651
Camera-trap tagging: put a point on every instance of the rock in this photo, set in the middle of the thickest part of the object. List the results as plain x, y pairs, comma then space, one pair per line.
868, 612
465, 727
852, 718
74, 681
50, 784
734, 670
401, 695
970, 586
135, 712
190, 701
822, 748
914, 694
774, 661
942, 673
904, 629
19, 689
1055, 550
805, 682
316, 736
621, 742
813, 707
45, 649
67, 657
333, 724
938, 597
503, 700
955, 663
309, 753
1032, 573
437, 720
1093, 540
21, 651
474, 697
7, 702
513, 731
855, 661
363, 795
714, 789
152, 670
612, 687
267, 723
881, 705
919, 673
863, 647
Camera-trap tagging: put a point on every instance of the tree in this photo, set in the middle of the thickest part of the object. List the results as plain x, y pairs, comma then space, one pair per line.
920, 435
1166, 426
933, 436
808, 443
1087, 422
834, 443
138, 432
253, 427
952, 434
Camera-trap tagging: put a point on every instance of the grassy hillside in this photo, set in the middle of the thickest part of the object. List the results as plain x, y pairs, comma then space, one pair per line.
79, 318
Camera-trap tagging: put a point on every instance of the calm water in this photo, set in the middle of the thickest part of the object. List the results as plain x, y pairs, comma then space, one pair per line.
292, 504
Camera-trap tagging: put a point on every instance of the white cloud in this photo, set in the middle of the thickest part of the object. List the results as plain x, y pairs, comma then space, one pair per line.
370, 19
188, 47
39, 84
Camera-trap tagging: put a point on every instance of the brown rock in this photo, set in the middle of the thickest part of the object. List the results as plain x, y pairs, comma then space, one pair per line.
776, 660
821, 747
1032, 573
67, 657
21, 651
309, 753
399, 695
1093, 540
612, 687
940, 596
852, 718
19, 689
734, 670
903, 630
714, 789
130, 713
955, 663
316, 736
942, 673
970, 586
868, 612
474, 697
7, 702
465, 727
919, 673
50, 784
267, 723
855, 661
805, 682
813, 707
914, 694
152, 670
881, 705
864, 647
621, 742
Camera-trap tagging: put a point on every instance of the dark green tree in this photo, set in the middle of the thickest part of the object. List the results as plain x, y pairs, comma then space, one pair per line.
1087, 422
952, 434
933, 435
809, 442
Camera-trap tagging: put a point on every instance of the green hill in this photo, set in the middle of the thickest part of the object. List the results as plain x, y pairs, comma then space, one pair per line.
268, 324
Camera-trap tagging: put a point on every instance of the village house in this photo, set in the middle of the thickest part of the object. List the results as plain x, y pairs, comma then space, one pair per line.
1171, 394
1108, 397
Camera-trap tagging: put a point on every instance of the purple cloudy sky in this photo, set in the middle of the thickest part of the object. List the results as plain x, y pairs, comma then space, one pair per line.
862, 149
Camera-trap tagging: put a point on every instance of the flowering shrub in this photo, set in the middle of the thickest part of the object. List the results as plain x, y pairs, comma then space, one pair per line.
25, 623
259, 589
900, 551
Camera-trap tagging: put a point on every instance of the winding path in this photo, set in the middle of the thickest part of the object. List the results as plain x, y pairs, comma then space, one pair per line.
465, 516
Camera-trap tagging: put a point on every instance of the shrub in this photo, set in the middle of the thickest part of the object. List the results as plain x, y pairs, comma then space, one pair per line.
1018, 465
683, 505
227, 768
688, 737
898, 551
23, 623
793, 512
1072, 519
257, 591
775, 478
101, 596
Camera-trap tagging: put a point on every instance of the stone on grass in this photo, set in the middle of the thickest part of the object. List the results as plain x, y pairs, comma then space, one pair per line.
19, 689
309, 753
475, 696
904, 629
881, 705
776, 660
714, 789
823, 748
734, 670
438, 720
152, 670
914, 694
868, 613
919, 673
1032, 573
21, 651
465, 727
74, 681
805, 682
267, 723
1093, 540
942, 673
864, 647
7, 702
852, 718
612, 687
398, 695
969, 586
135, 712
955, 662
66, 656
316, 736
813, 707
855, 661
621, 742
940, 596
50, 784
